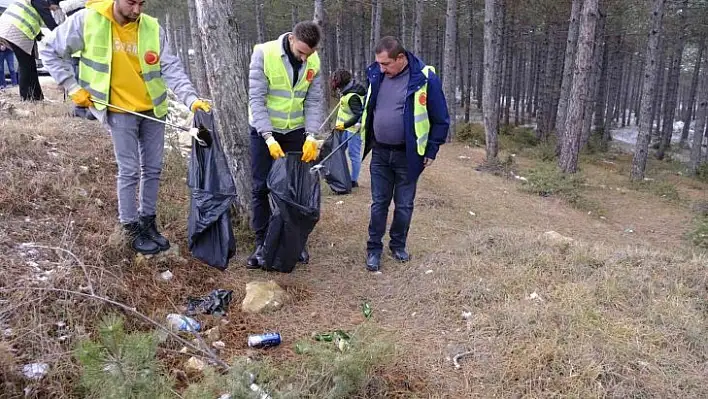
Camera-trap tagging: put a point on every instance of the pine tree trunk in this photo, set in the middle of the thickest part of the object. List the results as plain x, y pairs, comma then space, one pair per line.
260, 23
338, 38
228, 82
593, 90
360, 59
186, 44
320, 19
480, 78
601, 99
375, 24
580, 90
568, 66
294, 14
470, 69
418, 28
672, 85
199, 78
627, 87
449, 61
403, 24
700, 127
659, 100
508, 65
639, 162
688, 112
492, 52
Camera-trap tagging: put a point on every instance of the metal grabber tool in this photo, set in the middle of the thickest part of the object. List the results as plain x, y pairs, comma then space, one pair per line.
200, 134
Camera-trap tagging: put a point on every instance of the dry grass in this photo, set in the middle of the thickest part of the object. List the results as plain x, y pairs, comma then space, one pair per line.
621, 313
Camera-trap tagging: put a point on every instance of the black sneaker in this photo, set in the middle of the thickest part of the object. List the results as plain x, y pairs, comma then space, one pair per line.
355, 184
150, 227
256, 261
139, 241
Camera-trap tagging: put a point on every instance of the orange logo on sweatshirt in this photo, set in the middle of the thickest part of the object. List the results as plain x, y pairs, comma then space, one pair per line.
151, 58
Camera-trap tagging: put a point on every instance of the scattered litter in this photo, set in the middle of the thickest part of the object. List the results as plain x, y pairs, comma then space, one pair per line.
264, 340
513, 155
166, 275
521, 178
8, 332
340, 202
413, 314
27, 219
464, 157
84, 168
429, 271
466, 315
218, 345
35, 371
378, 272
603, 218
99, 203
628, 230
534, 296
366, 310
83, 192
183, 350
472, 213
648, 179
458, 357
216, 303
182, 323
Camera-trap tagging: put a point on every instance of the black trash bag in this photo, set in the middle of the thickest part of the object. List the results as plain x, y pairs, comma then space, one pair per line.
336, 168
295, 206
209, 232
216, 303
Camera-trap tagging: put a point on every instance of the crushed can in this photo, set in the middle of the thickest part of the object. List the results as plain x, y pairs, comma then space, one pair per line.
264, 340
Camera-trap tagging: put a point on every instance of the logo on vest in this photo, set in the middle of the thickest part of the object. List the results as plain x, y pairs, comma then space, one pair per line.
151, 58
423, 99
310, 75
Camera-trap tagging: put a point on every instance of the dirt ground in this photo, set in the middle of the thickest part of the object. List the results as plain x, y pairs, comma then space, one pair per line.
620, 312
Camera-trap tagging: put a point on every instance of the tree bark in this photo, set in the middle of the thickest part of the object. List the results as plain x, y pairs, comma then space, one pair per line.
339, 63
492, 54
294, 14
639, 161
260, 23
700, 127
403, 24
580, 89
200, 77
598, 54
688, 112
449, 61
418, 28
601, 99
228, 82
568, 66
672, 85
319, 18
470, 68
376, 8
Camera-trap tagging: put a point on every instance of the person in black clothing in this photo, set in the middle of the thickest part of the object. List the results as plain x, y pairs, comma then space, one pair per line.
351, 106
24, 46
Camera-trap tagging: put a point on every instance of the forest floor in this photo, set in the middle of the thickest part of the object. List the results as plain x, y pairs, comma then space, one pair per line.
620, 310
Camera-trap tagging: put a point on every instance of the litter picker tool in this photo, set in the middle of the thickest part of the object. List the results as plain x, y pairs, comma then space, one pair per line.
320, 165
200, 134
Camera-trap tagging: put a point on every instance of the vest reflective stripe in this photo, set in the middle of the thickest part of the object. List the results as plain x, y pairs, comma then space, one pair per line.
25, 18
285, 103
421, 122
345, 113
95, 65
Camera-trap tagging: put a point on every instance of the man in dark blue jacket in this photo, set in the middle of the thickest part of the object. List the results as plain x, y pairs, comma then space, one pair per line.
405, 121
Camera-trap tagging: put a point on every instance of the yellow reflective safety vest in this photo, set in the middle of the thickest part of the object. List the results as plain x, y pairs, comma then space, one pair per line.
420, 113
345, 113
25, 18
285, 103
95, 65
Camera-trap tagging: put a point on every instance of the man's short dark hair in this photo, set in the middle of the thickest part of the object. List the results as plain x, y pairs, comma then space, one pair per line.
341, 78
391, 45
308, 32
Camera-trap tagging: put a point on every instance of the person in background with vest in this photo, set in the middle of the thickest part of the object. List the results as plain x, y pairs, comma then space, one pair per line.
404, 123
351, 106
285, 97
135, 76
19, 29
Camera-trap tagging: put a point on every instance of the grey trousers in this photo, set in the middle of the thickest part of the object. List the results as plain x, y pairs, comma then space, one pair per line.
138, 144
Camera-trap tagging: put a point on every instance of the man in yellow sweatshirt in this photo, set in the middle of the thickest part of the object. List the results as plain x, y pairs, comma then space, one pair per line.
125, 61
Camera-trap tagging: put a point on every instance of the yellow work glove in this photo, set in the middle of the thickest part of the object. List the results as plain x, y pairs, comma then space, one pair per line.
200, 104
274, 148
82, 98
309, 149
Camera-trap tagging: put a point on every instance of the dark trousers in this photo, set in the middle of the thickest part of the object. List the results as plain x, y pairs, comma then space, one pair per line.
30, 90
261, 162
389, 172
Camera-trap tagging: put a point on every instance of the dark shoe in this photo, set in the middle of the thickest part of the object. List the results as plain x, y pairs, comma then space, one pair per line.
400, 255
355, 184
139, 241
373, 262
148, 224
304, 257
256, 261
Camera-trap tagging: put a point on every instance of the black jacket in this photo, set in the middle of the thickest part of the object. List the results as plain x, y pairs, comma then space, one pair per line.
355, 103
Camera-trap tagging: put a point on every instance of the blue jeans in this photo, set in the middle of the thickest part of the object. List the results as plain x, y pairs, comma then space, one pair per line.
7, 56
354, 150
389, 170
261, 163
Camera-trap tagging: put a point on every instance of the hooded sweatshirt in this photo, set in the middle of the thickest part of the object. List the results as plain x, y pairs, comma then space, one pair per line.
354, 102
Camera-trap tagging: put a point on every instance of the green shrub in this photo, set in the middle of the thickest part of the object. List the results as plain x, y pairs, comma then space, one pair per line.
471, 133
